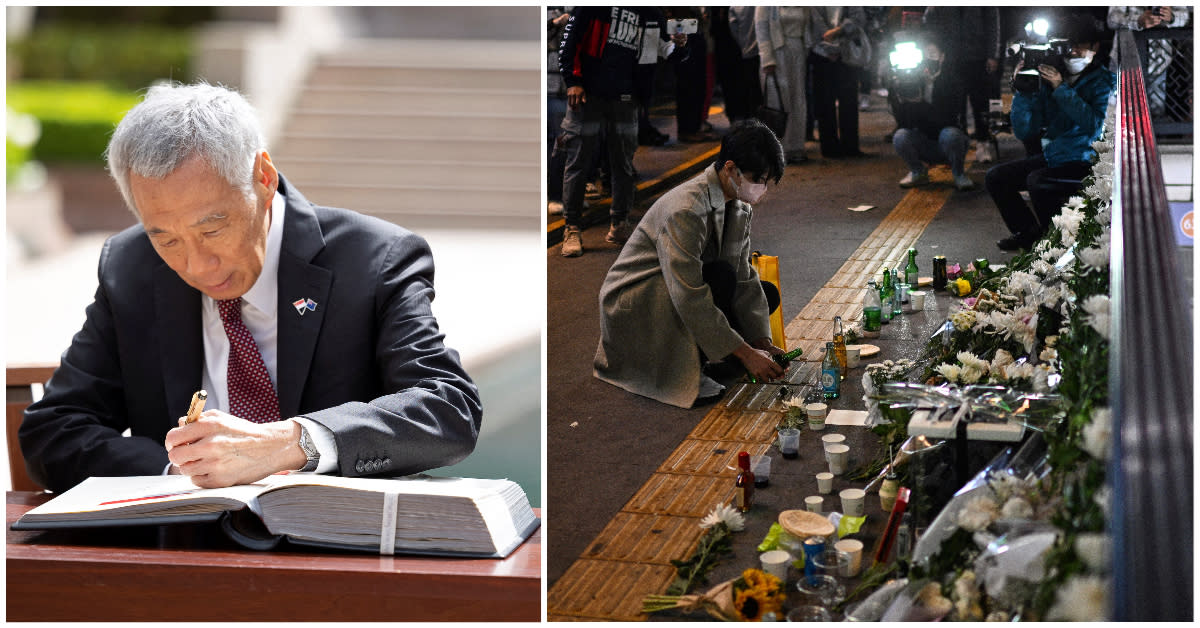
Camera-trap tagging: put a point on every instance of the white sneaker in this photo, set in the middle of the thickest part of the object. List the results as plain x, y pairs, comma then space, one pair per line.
914, 179
555, 208
572, 245
709, 387
864, 103
619, 233
984, 154
963, 183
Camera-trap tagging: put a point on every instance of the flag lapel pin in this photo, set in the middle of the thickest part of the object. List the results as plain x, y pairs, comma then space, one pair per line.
304, 305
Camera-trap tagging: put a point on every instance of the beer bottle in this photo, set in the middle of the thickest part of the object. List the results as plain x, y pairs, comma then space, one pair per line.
744, 483
831, 373
839, 345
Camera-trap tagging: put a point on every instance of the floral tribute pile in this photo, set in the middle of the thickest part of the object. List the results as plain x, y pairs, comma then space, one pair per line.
1025, 540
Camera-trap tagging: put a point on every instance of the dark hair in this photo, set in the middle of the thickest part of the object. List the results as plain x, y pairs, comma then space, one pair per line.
754, 149
1081, 28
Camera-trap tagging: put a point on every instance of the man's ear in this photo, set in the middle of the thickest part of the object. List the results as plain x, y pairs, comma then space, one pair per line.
266, 177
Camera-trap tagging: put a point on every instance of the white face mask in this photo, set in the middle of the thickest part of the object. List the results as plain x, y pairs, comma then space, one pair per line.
1077, 64
750, 192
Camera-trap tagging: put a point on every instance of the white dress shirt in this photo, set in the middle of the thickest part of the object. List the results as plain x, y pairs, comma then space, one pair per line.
260, 307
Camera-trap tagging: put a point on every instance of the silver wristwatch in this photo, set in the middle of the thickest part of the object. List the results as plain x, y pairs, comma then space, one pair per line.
310, 450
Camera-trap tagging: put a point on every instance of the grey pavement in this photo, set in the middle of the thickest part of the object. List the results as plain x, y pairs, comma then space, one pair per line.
603, 443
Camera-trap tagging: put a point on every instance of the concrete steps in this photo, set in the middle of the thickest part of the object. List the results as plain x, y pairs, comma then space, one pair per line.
421, 132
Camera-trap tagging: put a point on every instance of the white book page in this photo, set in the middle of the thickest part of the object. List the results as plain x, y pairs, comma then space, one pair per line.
100, 494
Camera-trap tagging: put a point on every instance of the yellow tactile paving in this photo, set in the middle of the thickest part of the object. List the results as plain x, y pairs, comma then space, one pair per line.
630, 558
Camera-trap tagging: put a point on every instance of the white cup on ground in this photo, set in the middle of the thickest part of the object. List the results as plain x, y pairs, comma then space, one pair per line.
916, 300
838, 455
853, 502
775, 562
853, 548
824, 482
816, 416
814, 503
832, 439
852, 356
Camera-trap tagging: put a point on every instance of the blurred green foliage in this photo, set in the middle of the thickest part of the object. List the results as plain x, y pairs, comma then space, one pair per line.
128, 56
77, 119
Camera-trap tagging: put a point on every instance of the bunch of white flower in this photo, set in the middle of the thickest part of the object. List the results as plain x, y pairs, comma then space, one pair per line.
1083, 598
978, 514
963, 319
1097, 309
724, 513
1097, 435
1068, 221
966, 598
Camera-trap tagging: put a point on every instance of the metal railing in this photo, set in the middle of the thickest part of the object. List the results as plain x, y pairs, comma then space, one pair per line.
1150, 374
1168, 73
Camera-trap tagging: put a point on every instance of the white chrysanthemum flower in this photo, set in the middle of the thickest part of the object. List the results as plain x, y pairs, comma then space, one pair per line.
1019, 371
970, 360
963, 320
1104, 214
1006, 485
724, 513
1041, 267
978, 514
1017, 508
971, 375
1102, 169
1082, 598
1100, 189
950, 371
1094, 258
794, 402
1000, 616
1041, 378
1068, 221
1103, 499
1094, 549
1097, 435
1075, 203
1051, 341
1048, 355
1097, 309
966, 598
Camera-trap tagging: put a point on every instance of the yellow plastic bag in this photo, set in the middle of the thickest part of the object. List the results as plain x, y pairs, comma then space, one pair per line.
768, 270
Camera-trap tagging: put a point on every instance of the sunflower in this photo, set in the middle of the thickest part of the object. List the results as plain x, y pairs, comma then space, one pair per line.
757, 593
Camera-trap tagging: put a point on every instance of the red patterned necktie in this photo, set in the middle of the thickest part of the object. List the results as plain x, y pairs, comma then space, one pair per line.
251, 395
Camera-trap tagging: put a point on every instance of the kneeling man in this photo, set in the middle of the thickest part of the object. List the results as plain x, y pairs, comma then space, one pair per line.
683, 290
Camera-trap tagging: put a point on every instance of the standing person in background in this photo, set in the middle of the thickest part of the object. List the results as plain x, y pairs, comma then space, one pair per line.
1159, 51
691, 80
556, 108
835, 82
970, 39
741, 26
601, 50
783, 45
728, 55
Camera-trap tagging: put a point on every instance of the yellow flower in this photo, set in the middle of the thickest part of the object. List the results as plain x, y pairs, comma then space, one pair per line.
962, 287
757, 593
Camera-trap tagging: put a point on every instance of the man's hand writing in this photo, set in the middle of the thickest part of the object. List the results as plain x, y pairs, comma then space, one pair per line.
223, 450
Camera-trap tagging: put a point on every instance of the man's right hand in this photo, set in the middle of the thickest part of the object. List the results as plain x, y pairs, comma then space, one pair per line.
575, 97
758, 363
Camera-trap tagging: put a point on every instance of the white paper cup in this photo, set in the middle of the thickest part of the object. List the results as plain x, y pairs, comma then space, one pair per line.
824, 482
853, 502
775, 562
838, 456
852, 357
816, 416
917, 300
853, 548
814, 503
832, 439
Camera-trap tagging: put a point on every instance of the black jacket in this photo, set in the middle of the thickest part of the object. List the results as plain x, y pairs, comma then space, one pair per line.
940, 111
601, 47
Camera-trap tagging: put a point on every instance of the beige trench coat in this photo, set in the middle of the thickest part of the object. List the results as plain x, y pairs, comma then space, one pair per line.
656, 312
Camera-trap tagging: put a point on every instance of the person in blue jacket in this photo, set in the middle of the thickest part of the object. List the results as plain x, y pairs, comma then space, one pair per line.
1068, 112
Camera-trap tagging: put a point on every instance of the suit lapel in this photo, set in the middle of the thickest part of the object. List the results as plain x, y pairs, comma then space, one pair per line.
299, 279
178, 330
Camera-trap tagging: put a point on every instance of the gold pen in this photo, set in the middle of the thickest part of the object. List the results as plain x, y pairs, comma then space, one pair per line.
197, 406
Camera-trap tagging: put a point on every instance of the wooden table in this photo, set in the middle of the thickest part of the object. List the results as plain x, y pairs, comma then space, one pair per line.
194, 573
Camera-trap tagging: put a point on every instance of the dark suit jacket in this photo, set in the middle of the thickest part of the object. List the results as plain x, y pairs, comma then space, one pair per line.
368, 362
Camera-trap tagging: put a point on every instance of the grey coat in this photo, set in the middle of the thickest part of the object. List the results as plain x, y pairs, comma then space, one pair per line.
656, 312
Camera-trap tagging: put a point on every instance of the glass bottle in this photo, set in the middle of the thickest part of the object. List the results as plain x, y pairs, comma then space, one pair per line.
897, 293
839, 345
744, 484
871, 310
911, 271
831, 373
783, 359
885, 297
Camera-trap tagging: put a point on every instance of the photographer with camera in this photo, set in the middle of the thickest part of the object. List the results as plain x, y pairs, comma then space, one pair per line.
928, 118
1067, 104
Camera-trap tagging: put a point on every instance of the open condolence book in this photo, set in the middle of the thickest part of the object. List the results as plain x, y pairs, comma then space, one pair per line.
409, 515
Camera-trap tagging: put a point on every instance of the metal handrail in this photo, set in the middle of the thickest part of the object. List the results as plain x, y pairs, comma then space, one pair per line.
1150, 375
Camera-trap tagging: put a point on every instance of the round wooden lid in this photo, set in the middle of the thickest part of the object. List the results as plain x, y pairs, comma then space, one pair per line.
803, 524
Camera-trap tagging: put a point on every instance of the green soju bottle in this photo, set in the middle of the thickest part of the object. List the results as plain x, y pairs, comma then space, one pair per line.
885, 297
871, 311
783, 359
910, 270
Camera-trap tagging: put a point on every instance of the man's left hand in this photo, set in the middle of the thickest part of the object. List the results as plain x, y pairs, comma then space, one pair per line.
1051, 76
680, 39
220, 449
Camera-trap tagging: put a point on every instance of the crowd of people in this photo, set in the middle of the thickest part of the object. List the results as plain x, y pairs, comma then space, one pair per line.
684, 264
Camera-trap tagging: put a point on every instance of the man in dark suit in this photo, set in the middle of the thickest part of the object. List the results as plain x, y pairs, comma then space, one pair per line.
310, 327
